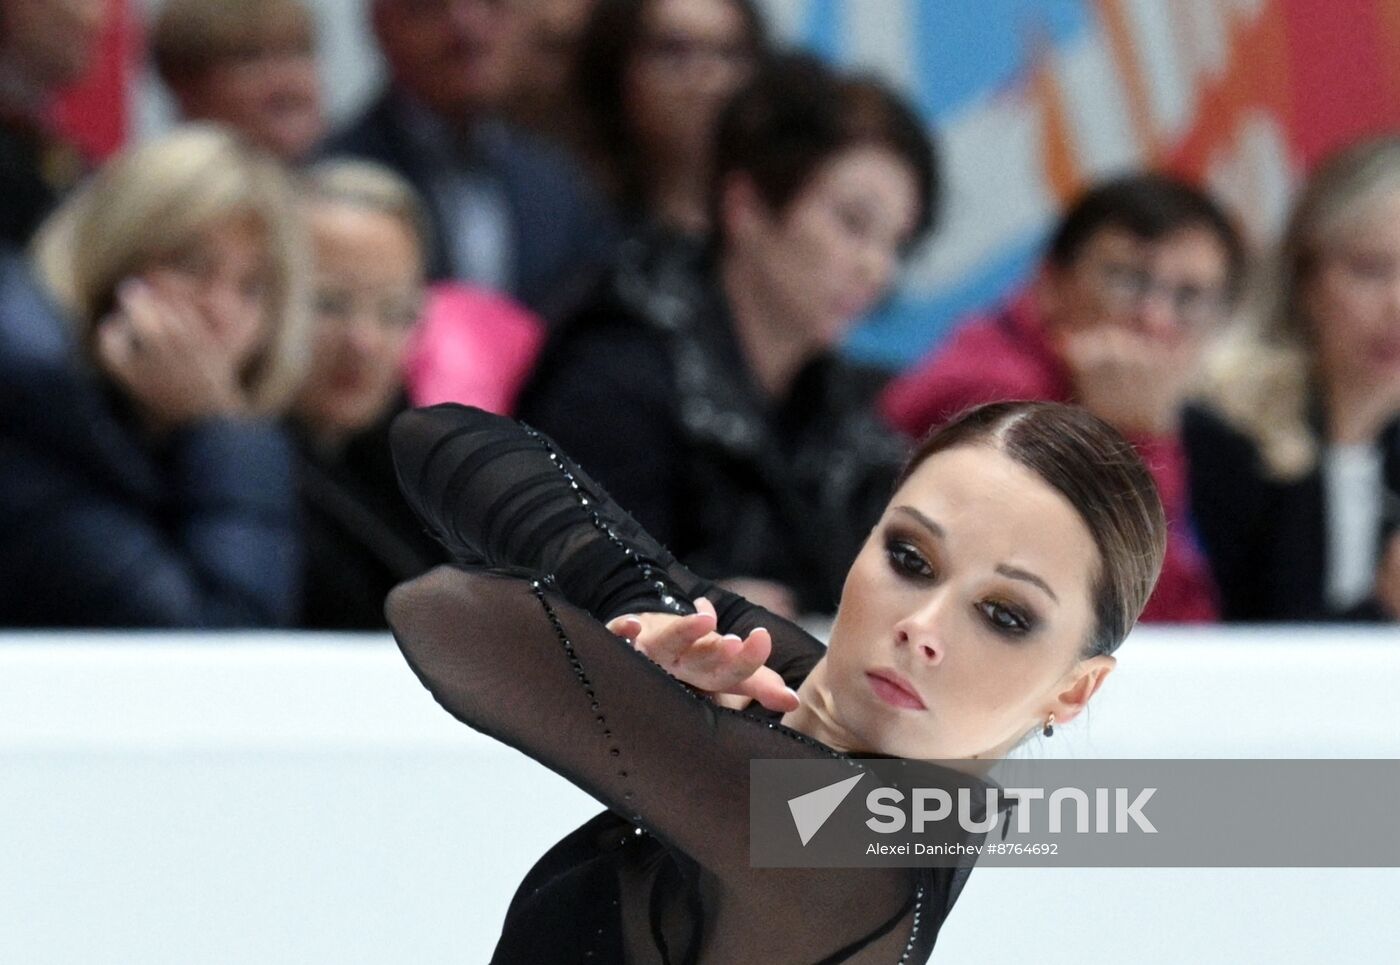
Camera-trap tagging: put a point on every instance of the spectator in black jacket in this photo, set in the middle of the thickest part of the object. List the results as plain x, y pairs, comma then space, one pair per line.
143, 478
1295, 463
507, 210
708, 398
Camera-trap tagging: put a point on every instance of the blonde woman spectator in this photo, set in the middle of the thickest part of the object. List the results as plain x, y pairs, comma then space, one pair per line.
145, 481
1296, 464
367, 232
250, 64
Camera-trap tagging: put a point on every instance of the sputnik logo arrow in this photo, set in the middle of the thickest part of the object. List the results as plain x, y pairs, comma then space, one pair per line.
810, 810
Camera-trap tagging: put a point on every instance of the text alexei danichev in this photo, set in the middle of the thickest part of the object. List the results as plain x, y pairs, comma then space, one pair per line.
917, 848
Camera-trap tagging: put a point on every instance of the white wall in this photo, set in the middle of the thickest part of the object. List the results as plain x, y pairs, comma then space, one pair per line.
245, 798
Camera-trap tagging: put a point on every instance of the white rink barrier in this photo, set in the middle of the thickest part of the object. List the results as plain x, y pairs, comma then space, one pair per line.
178, 799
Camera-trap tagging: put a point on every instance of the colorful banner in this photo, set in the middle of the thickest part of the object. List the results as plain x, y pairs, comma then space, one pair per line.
1032, 99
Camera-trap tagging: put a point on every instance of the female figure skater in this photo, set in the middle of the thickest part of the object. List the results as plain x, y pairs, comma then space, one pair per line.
1015, 555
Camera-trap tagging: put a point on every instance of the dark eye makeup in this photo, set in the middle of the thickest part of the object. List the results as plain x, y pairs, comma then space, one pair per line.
1005, 618
907, 562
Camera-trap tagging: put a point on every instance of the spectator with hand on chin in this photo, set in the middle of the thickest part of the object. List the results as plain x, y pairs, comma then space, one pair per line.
145, 481
1138, 276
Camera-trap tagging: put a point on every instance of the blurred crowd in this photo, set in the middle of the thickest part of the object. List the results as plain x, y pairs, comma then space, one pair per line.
645, 229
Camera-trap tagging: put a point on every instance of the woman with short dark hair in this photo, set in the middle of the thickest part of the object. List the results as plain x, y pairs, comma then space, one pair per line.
708, 394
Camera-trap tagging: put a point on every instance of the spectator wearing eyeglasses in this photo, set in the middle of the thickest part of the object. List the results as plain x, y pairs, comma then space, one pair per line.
1295, 463
653, 76
1139, 273
367, 229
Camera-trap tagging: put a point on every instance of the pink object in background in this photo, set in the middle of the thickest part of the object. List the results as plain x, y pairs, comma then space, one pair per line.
472, 346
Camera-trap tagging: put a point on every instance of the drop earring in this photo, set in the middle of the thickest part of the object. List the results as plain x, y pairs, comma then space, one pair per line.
1049, 729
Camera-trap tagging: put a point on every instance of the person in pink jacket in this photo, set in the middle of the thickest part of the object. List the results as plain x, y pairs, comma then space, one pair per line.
1137, 275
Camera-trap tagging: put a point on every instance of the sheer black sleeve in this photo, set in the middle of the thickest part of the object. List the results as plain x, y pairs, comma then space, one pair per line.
521, 653
516, 661
502, 496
